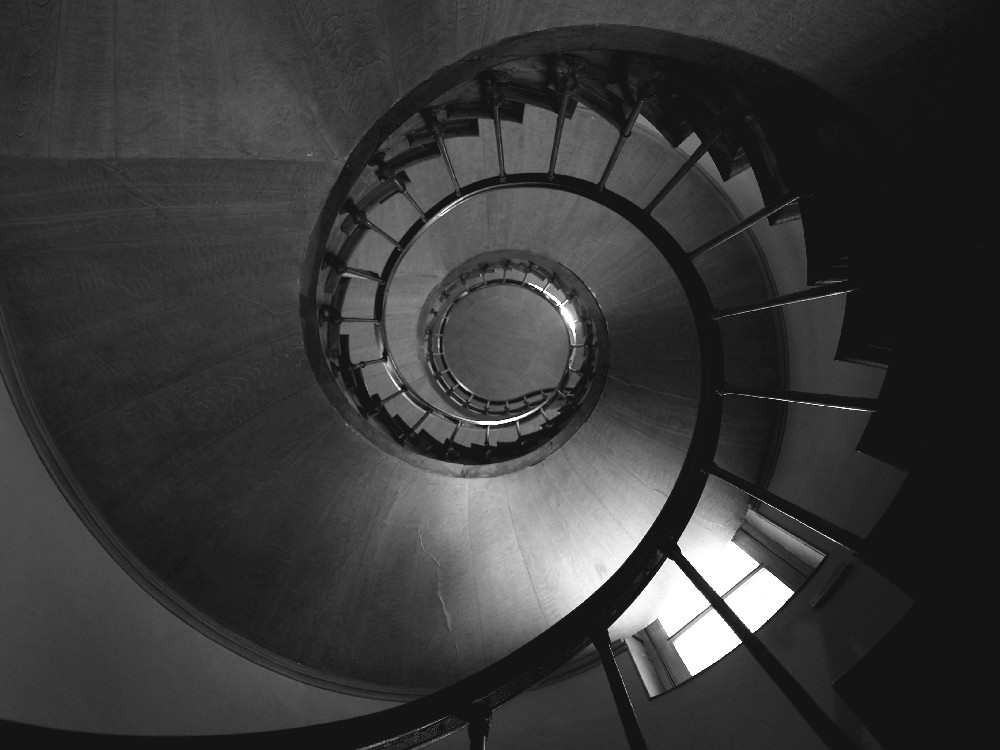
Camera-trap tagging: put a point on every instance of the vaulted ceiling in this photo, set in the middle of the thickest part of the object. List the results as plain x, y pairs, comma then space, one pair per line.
163, 168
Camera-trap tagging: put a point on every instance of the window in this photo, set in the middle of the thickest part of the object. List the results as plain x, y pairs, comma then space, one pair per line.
755, 573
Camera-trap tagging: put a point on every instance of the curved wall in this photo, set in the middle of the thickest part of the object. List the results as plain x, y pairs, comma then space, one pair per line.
153, 319
84, 647
860, 71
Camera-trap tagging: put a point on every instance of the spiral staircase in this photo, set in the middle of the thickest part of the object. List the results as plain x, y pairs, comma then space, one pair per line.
233, 334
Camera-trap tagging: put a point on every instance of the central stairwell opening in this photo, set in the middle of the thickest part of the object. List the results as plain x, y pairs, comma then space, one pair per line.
471, 134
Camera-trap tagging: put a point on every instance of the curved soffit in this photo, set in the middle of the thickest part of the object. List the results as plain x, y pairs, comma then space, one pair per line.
152, 313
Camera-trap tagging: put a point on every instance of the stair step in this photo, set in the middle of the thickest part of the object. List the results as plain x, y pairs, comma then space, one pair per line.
898, 433
829, 241
867, 335
758, 154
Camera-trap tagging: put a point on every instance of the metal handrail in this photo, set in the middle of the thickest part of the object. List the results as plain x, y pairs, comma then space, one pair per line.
472, 700
338, 265
434, 332
409, 724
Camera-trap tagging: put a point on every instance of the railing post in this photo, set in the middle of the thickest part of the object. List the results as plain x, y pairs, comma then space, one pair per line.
804, 703
496, 100
386, 173
625, 711
437, 131
642, 94
806, 295
479, 728
848, 403
685, 168
360, 218
567, 86
743, 225
831, 531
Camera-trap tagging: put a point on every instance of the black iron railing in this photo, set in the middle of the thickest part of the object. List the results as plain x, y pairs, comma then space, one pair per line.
400, 411
580, 367
328, 271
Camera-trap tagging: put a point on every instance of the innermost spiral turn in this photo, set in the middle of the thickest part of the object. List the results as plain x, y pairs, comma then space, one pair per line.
503, 342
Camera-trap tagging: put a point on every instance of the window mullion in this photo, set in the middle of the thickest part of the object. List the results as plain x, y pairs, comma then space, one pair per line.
693, 620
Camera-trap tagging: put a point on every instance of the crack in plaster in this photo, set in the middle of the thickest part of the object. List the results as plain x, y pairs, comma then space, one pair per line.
437, 564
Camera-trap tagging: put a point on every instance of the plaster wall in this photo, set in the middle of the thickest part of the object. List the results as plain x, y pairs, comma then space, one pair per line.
83, 647
80, 642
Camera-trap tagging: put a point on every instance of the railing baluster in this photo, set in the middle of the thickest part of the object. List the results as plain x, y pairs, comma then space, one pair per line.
386, 173
378, 230
625, 710
360, 217
359, 273
416, 426
567, 85
364, 363
434, 125
851, 403
820, 525
479, 729
642, 93
341, 268
496, 99
828, 290
391, 396
685, 168
743, 225
804, 703
478, 717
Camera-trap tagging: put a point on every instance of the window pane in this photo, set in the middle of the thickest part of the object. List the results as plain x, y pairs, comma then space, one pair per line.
683, 603
723, 571
709, 639
705, 642
758, 599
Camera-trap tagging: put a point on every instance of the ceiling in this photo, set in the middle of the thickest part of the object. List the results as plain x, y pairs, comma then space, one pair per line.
162, 175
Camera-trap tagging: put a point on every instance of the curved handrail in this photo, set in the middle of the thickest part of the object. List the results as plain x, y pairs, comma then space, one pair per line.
425, 718
565, 308
401, 248
474, 697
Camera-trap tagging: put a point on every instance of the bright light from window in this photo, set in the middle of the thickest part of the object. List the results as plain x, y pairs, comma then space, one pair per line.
683, 605
722, 572
727, 568
705, 642
758, 599
755, 601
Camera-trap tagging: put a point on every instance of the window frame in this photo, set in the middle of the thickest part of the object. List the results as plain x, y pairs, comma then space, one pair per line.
789, 558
